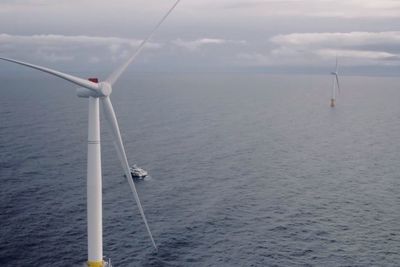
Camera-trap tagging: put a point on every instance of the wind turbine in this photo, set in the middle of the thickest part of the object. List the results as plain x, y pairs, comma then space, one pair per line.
335, 84
97, 92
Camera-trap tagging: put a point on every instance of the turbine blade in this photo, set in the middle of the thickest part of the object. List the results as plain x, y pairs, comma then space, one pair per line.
117, 73
337, 66
337, 81
113, 124
76, 80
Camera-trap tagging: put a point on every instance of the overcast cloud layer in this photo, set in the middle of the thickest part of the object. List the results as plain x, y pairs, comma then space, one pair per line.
224, 35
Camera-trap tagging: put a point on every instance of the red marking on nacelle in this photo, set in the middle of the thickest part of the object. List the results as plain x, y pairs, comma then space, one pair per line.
95, 80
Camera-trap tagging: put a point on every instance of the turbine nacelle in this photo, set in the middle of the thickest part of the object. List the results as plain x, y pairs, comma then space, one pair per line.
104, 89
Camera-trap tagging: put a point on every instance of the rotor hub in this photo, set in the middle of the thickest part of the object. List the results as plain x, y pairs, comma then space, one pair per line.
105, 88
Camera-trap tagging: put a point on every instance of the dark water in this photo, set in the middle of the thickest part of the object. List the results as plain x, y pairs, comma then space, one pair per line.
247, 170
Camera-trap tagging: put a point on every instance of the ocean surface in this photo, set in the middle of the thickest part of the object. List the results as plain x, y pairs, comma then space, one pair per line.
246, 170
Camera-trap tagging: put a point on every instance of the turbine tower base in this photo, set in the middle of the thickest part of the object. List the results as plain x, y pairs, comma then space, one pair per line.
333, 103
104, 263
96, 264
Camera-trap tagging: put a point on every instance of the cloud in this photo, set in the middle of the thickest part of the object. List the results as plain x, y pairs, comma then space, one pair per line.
198, 43
52, 56
202, 33
55, 48
303, 49
317, 8
370, 46
82, 51
56, 40
358, 54
337, 39
205, 8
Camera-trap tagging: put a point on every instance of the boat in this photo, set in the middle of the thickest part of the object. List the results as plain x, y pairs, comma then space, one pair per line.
137, 172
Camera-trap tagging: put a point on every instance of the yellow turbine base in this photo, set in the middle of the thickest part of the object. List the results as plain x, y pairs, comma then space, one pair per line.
95, 263
333, 103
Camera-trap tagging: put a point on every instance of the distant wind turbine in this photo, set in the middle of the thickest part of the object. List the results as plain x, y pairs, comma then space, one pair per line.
97, 91
335, 84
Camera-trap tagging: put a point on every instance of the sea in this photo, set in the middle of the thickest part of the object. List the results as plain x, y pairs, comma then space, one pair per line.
245, 170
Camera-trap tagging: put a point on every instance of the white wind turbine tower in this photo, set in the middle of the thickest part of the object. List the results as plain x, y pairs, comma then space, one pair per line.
100, 91
335, 84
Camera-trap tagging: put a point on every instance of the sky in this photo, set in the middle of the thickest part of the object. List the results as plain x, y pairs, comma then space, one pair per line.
277, 36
